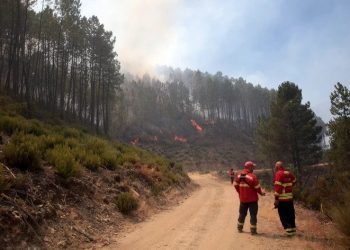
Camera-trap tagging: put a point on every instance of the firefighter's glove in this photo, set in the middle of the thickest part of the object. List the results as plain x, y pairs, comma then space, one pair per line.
275, 204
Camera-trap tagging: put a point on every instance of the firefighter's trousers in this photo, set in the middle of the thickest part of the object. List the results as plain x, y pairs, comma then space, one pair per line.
287, 215
253, 211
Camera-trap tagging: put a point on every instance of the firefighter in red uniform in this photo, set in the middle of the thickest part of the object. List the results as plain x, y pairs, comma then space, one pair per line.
284, 182
231, 173
248, 187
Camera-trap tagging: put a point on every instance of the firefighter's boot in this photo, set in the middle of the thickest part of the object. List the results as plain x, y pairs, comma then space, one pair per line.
253, 229
240, 227
290, 232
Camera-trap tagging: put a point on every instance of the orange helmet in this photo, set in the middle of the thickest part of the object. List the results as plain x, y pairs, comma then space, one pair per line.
249, 165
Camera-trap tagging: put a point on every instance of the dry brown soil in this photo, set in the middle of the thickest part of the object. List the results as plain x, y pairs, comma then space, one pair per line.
207, 220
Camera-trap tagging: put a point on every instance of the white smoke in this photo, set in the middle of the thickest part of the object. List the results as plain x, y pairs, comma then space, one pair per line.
145, 30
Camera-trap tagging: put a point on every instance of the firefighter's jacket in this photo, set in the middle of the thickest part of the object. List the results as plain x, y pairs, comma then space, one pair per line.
284, 182
247, 186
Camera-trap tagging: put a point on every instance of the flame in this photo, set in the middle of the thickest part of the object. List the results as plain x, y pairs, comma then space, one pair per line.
180, 139
196, 126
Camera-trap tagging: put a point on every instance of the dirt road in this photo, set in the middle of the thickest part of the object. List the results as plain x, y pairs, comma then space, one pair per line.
207, 220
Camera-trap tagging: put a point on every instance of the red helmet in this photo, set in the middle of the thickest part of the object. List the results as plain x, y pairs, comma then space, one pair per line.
249, 165
278, 165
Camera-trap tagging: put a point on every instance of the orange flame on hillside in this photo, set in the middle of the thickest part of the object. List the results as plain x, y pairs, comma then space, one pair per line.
196, 126
180, 139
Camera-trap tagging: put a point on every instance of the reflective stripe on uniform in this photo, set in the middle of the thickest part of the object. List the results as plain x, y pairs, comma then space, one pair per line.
252, 226
243, 185
285, 196
278, 183
277, 194
240, 224
289, 184
249, 177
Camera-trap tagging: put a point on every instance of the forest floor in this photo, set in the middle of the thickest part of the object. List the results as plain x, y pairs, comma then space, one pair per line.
207, 220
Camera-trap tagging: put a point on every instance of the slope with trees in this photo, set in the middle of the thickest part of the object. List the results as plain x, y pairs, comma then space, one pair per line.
58, 60
61, 187
155, 112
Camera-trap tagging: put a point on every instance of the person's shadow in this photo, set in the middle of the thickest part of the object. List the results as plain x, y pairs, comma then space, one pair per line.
310, 238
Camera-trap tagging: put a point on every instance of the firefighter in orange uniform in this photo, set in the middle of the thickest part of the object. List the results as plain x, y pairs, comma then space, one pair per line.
284, 182
248, 188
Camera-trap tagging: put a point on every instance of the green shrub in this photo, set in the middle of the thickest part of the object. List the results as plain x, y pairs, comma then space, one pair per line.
96, 145
23, 152
130, 157
34, 127
72, 143
10, 125
92, 162
109, 159
341, 216
157, 189
64, 161
126, 202
71, 133
50, 141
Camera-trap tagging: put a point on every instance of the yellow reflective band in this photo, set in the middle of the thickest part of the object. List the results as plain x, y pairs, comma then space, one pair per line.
286, 196
290, 233
240, 224
289, 184
277, 194
244, 185
289, 230
257, 186
278, 183
252, 226
286, 172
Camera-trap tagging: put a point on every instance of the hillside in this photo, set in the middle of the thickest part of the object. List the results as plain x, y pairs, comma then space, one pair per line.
216, 147
61, 187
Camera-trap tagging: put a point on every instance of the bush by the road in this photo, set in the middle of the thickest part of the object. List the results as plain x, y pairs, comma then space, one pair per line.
126, 202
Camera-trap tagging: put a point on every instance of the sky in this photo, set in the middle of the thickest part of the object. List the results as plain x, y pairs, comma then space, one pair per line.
264, 41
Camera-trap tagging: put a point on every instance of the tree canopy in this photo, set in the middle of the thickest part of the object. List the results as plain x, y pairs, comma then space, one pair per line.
339, 127
290, 132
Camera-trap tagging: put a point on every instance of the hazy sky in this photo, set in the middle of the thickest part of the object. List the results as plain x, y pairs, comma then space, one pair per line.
264, 41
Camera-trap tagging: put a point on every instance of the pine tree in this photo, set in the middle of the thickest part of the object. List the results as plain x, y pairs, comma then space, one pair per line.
292, 132
339, 127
